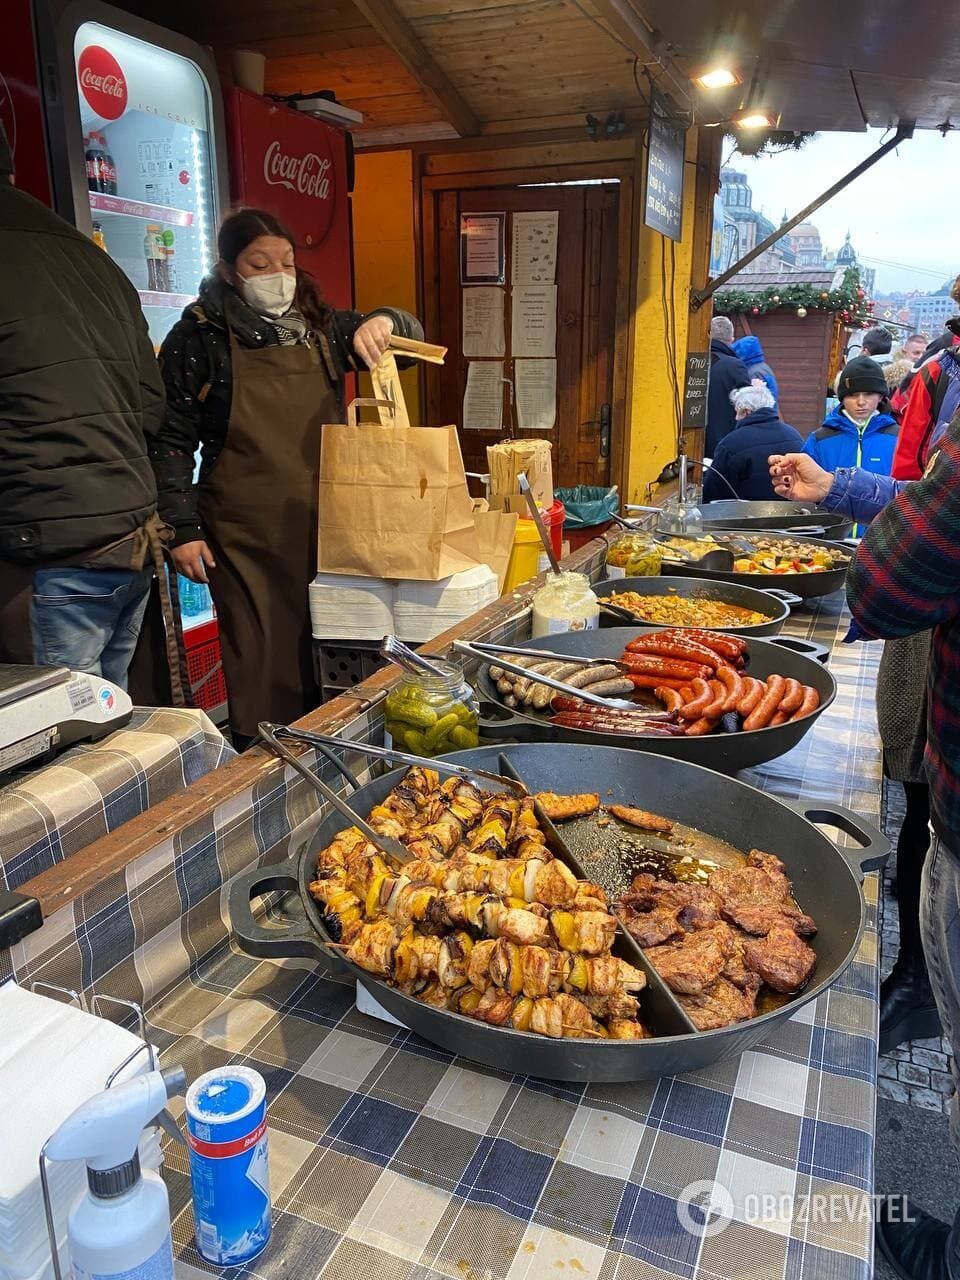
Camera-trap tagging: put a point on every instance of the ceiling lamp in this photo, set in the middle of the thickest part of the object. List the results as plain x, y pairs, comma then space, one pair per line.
755, 118
717, 78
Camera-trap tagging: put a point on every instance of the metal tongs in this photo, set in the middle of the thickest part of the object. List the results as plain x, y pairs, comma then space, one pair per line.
486, 652
397, 852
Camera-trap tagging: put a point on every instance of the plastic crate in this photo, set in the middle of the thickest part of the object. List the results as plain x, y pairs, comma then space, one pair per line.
341, 666
208, 686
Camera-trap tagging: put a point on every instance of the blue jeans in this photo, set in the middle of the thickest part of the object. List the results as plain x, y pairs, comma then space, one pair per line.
88, 619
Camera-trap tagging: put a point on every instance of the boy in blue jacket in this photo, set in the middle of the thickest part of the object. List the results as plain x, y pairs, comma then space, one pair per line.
857, 434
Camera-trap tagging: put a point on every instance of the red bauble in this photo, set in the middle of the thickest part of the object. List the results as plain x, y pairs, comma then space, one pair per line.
870, 306
861, 293
755, 311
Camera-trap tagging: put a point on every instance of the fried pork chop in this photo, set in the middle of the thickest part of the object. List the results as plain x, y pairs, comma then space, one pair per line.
656, 911
640, 818
561, 808
782, 959
696, 961
721, 1004
758, 896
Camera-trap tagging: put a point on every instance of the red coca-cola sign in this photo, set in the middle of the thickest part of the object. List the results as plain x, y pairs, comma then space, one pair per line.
102, 82
304, 172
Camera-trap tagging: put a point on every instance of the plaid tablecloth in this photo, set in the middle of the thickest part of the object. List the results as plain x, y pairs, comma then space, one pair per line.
392, 1160
91, 789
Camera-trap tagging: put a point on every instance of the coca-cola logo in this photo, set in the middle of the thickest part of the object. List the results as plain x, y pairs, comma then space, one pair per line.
308, 175
102, 82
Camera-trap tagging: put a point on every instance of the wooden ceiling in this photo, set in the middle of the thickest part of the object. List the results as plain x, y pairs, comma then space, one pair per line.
428, 69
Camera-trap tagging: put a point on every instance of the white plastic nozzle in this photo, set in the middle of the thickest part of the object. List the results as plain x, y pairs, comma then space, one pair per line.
105, 1130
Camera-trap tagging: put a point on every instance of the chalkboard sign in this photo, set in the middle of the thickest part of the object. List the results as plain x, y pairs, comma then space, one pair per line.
695, 388
663, 206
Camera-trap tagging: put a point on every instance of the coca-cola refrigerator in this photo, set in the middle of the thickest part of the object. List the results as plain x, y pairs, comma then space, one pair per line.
300, 169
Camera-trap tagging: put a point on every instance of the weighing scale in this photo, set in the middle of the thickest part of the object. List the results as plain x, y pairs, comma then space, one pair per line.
44, 709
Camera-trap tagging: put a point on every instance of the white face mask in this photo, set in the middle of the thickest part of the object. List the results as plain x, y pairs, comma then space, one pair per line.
270, 295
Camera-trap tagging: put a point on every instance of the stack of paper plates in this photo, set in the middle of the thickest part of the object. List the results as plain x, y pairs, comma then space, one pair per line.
422, 610
343, 607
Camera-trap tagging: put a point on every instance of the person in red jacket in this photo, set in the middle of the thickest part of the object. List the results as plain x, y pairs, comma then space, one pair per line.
932, 400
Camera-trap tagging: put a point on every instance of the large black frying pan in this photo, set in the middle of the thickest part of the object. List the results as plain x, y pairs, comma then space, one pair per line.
770, 601
826, 881
739, 513
801, 584
727, 752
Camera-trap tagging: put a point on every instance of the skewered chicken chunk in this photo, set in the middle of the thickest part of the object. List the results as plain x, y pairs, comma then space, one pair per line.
559, 808
590, 932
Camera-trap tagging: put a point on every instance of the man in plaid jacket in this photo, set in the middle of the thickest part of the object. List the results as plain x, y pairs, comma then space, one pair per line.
906, 579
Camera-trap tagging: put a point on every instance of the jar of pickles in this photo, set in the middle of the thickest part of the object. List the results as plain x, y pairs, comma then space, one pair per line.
635, 555
432, 715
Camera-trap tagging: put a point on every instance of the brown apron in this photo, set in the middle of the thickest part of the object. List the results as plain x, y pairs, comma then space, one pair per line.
258, 508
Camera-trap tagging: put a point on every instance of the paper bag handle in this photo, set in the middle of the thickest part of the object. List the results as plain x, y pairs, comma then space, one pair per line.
368, 403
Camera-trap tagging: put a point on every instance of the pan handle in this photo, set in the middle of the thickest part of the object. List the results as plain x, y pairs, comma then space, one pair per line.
808, 648
507, 725
298, 939
874, 847
787, 597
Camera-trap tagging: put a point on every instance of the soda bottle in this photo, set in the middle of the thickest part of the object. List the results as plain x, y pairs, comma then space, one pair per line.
97, 236
108, 168
93, 163
157, 279
170, 273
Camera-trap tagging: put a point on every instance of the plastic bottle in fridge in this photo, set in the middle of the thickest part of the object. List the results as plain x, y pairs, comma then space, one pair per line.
94, 160
157, 278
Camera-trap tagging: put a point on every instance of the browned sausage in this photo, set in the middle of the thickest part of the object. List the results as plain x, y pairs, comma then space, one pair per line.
780, 717
714, 710
792, 697
753, 691
648, 664
666, 644
767, 706
731, 681
641, 681
702, 726
687, 694
672, 699
811, 700
729, 647
702, 697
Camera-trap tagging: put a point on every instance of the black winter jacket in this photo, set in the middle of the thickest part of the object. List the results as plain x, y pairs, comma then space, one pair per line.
79, 391
741, 457
727, 372
197, 374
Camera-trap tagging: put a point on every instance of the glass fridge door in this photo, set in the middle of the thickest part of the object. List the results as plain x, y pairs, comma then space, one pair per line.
145, 114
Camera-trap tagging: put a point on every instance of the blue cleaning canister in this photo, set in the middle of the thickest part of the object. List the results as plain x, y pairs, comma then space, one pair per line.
227, 1134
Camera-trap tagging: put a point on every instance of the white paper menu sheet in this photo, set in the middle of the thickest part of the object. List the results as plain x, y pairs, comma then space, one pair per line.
536, 391
534, 327
534, 247
483, 398
483, 321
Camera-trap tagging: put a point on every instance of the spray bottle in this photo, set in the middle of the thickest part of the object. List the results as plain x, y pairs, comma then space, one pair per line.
121, 1226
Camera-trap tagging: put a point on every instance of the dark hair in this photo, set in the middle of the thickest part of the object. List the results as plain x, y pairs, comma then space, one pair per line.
877, 341
239, 230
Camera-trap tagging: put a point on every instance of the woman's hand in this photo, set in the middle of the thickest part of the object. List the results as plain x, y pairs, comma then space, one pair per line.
372, 339
798, 478
193, 559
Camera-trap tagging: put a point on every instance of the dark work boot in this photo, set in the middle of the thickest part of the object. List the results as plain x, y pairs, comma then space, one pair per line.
907, 1008
914, 1244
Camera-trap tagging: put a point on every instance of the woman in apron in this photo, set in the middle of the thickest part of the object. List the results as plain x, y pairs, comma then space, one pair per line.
252, 370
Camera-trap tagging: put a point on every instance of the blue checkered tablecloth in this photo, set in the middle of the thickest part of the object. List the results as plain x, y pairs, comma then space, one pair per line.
391, 1159
51, 812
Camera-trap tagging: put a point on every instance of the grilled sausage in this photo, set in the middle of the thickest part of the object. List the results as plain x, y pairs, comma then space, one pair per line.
672, 699
767, 706
591, 675
548, 669
702, 697
753, 691
705, 725
729, 647
667, 645
792, 697
780, 717
641, 681
619, 688
811, 700
731, 681
648, 664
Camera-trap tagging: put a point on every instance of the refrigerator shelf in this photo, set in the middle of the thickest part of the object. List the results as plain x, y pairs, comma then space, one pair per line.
173, 301
140, 209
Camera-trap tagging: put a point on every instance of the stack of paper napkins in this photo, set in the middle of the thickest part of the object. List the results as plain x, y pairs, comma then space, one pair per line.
53, 1057
422, 610
343, 607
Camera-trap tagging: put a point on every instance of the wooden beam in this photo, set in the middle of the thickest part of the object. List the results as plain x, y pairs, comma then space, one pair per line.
387, 20
624, 20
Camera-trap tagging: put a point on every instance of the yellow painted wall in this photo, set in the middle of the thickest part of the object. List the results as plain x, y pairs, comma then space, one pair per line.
384, 251
652, 409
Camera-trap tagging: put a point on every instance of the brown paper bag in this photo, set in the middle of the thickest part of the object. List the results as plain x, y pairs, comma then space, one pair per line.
394, 503
495, 532
508, 458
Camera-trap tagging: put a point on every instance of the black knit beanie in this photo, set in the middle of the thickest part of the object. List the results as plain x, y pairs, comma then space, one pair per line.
861, 374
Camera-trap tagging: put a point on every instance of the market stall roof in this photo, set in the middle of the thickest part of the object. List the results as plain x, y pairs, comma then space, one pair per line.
824, 278
428, 69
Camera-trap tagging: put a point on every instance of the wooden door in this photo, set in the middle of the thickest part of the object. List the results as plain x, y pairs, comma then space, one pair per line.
585, 435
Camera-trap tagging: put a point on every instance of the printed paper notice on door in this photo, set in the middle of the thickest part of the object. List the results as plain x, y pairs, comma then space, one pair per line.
536, 390
534, 249
483, 398
482, 255
535, 321
483, 321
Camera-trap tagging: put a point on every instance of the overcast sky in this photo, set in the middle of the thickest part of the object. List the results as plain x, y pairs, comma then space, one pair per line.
901, 211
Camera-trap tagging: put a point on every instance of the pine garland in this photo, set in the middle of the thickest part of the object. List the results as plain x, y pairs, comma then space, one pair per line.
849, 300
